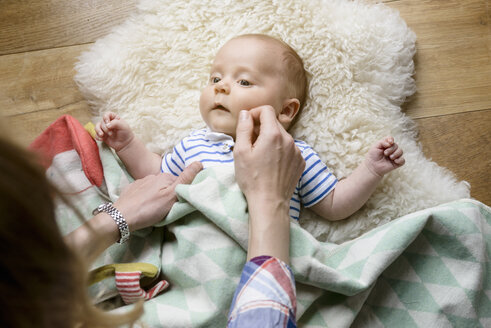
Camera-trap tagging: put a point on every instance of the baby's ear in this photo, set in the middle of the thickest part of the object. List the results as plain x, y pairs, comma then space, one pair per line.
289, 111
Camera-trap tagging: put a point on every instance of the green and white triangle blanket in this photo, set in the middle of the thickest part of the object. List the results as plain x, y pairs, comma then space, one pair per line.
429, 268
426, 269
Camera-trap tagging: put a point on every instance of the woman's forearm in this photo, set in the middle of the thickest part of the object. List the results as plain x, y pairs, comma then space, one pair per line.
94, 236
142, 204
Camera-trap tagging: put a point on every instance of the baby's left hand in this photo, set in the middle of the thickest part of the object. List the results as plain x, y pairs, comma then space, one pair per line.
384, 157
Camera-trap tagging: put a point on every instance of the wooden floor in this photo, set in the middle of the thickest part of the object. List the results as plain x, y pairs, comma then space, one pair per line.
40, 41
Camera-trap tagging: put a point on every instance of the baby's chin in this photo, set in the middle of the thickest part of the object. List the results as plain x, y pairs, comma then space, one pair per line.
228, 130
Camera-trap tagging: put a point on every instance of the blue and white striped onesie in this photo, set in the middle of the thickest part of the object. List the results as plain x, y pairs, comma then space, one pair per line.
214, 149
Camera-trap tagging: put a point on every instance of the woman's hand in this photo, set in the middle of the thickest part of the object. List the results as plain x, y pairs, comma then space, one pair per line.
268, 165
142, 204
267, 168
147, 201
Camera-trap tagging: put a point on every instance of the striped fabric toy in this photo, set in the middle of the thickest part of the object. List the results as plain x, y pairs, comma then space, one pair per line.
128, 285
127, 279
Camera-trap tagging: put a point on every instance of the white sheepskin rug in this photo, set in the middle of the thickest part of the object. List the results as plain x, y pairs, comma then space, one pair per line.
358, 55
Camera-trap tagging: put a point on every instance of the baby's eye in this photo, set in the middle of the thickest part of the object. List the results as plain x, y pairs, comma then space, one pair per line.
244, 83
215, 79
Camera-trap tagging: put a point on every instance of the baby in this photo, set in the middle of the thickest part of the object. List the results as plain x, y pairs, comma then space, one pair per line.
251, 71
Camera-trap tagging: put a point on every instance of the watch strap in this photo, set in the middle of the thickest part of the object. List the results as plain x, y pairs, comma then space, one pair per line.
118, 218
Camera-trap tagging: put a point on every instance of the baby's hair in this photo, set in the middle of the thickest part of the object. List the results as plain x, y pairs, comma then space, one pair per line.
297, 76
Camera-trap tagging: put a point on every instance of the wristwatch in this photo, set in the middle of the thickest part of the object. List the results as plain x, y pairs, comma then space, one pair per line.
117, 217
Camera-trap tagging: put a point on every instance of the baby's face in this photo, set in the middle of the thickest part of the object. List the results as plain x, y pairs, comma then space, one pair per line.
245, 74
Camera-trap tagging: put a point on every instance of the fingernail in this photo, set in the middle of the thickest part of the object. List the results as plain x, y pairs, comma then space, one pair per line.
244, 115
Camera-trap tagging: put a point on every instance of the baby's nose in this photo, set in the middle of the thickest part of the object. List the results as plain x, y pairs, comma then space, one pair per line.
222, 87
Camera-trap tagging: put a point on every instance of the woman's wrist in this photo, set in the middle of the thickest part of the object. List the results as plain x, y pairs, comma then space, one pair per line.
269, 229
106, 228
258, 203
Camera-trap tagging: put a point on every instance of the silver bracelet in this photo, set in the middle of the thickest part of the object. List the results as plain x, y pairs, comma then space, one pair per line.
117, 217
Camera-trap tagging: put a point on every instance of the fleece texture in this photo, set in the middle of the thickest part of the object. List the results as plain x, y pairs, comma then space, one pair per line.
359, 59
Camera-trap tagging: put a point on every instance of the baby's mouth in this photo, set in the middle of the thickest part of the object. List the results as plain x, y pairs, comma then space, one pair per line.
220, 107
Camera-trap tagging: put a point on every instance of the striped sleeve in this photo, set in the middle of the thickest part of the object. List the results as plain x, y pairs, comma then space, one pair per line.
174, 162
316, 181
265, 296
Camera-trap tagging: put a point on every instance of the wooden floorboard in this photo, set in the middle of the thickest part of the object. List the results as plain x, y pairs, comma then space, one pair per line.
453, 59
44, 24
25, 127
39, 80
41, 39
462, 143
37, 87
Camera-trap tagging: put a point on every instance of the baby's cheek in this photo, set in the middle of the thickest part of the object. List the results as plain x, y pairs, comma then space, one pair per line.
202, 101
204, 108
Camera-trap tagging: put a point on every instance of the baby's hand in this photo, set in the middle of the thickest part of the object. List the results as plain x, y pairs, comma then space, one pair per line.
114, 131
384, 157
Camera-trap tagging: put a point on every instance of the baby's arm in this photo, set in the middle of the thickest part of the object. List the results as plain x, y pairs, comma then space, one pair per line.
351, 193
117, 134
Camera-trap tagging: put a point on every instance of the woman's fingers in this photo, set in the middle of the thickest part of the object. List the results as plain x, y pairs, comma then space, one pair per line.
244, 132
273, 163
187, 176
265, 117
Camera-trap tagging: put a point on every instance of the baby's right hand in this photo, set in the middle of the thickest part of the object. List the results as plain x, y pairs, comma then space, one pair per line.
114, 131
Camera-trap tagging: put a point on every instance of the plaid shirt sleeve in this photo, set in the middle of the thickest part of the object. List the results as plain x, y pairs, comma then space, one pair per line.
265, 296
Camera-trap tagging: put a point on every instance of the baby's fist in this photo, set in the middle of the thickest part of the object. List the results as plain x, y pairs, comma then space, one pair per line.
384, 157
114, 131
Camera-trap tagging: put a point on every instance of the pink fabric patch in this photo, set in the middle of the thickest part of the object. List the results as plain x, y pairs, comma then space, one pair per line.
66, 133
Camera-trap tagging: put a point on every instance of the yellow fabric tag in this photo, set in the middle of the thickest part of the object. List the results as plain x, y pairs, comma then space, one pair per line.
90, 128
106, 271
